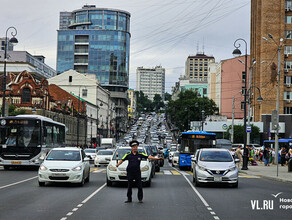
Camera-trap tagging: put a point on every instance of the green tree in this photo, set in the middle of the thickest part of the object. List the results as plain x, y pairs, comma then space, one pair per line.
239, 135
167, 96
157, 103
13, 111
188, 107
143, 103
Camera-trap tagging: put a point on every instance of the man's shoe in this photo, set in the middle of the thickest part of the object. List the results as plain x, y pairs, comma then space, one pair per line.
128, 201
140, 201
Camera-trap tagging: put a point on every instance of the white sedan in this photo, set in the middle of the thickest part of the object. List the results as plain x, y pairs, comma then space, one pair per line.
65, 164
103, 157
114, 174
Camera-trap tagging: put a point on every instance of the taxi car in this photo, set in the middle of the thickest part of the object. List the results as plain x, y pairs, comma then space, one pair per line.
64, 164
119, 174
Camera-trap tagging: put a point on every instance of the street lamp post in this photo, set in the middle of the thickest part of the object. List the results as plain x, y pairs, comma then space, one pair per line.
203, 119
13, 40
91, 120
237, 52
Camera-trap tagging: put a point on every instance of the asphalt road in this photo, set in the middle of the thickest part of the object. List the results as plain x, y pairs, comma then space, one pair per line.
172, 195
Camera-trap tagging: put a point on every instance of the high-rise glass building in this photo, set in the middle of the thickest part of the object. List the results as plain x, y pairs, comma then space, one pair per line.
96, 41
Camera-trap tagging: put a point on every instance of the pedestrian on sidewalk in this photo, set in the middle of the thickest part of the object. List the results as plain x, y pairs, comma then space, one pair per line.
283, 156
266, 155
134, 170
238, 154
273, 156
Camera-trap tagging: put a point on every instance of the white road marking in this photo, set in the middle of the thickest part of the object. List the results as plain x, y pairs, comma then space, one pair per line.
74, 210
213, 213
216, 217
63, 218
22, 181
80, 205
184, 173
167, 172
96, 191
209, 208
69, 213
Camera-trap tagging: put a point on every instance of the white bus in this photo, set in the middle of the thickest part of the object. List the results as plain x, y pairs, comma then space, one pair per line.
25, 139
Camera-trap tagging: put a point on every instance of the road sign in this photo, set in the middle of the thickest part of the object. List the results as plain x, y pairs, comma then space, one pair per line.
225, 126
248, 128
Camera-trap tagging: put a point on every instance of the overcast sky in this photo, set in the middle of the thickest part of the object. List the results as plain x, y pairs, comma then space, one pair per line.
163, 32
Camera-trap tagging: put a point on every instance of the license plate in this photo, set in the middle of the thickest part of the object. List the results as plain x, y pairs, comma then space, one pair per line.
217, 179
123, 174
15, 162
58, 174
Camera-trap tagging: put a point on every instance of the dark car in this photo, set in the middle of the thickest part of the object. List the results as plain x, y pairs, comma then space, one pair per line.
158, 153
149, 153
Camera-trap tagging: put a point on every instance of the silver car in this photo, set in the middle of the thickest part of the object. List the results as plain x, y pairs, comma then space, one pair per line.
213, 165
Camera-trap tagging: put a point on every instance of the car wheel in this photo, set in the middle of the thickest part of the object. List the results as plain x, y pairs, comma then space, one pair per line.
157, 169
87, 179
197, 182
82, 181
148, 183
42, 183
109, 183
95, 165
172, 165
235, 185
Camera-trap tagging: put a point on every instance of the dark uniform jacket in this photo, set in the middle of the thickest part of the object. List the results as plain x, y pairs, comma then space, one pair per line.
134, 161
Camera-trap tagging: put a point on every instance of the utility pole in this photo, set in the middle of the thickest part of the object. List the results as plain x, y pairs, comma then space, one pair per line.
232, 126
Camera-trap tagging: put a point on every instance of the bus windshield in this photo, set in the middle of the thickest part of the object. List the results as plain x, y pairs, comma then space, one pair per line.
20, 133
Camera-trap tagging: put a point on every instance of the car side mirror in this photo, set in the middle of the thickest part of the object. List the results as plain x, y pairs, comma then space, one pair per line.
86, 159
237, 160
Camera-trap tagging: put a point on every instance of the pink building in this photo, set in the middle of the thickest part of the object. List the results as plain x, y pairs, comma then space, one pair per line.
232, 83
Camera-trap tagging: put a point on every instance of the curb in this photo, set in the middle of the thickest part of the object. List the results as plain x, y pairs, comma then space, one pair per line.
268, 177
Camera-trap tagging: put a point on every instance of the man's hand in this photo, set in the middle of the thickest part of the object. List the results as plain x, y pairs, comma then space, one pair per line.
117, 165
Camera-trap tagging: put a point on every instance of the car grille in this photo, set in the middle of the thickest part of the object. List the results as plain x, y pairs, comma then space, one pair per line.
16, 156
221, 172
59, 170
225, 179
123, 177
122, 169
58, 177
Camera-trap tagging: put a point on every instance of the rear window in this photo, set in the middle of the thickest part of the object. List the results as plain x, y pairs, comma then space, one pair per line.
105, 152
90, 151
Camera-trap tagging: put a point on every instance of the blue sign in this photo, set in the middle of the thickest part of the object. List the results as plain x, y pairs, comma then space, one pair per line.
248, 128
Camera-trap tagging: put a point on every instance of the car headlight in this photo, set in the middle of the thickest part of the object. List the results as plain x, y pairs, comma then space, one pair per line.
78, 168
112, 168
145, 168
232, 168
43, 168
202, 168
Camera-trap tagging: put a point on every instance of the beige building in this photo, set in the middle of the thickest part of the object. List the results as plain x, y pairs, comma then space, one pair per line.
132, 106
271, 20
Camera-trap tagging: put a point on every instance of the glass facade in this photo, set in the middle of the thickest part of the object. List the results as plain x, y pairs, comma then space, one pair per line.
96, 41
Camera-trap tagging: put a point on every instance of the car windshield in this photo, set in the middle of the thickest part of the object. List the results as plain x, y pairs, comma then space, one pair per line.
215, 156
90, 151
105, 152
176, 154
120, 153
64, 155
154, 149
173, 149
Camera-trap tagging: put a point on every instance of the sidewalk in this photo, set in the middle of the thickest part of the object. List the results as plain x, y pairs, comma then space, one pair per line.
269, 172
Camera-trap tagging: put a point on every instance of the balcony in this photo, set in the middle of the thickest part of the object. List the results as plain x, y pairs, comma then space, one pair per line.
78, 23
81, 52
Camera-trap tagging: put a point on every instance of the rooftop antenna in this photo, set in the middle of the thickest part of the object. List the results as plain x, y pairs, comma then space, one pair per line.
197, 47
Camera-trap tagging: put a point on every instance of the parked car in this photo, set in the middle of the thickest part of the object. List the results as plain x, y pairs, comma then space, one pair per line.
213, 165
175, 159
103, 157
119, 174
65, 164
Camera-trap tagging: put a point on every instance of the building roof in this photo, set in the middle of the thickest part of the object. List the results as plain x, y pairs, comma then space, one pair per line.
200, 55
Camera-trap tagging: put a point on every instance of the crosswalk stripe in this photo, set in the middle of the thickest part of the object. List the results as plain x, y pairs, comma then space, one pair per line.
174, 172
184, 173
167, 172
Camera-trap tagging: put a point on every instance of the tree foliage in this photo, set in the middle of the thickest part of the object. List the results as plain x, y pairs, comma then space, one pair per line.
188, 107
239, 135
13, 111
146, 105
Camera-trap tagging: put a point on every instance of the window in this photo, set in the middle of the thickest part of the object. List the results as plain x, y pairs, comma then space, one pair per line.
288, 64
26, 95
287, 80
288, 34
70, 78
288, 50
288, 19
242, 105
84, 92
243, 76
288, 5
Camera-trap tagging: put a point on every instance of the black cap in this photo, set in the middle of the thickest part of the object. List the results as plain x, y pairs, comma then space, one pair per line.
133, 143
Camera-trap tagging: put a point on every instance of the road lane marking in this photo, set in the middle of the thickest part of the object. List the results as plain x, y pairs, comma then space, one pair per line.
248, 176
83, 202
216, 217
184, 173
99, 171
96, 191
199, 195
22, 181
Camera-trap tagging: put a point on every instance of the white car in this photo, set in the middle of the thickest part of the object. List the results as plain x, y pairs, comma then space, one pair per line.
91, 153
114, 174
214, 165
171, 152
103, 157
175, 159
65, 164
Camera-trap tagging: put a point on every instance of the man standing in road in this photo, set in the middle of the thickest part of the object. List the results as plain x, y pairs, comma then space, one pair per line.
133, 169
238, 154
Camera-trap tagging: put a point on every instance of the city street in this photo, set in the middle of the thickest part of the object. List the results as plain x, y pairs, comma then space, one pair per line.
172, 195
